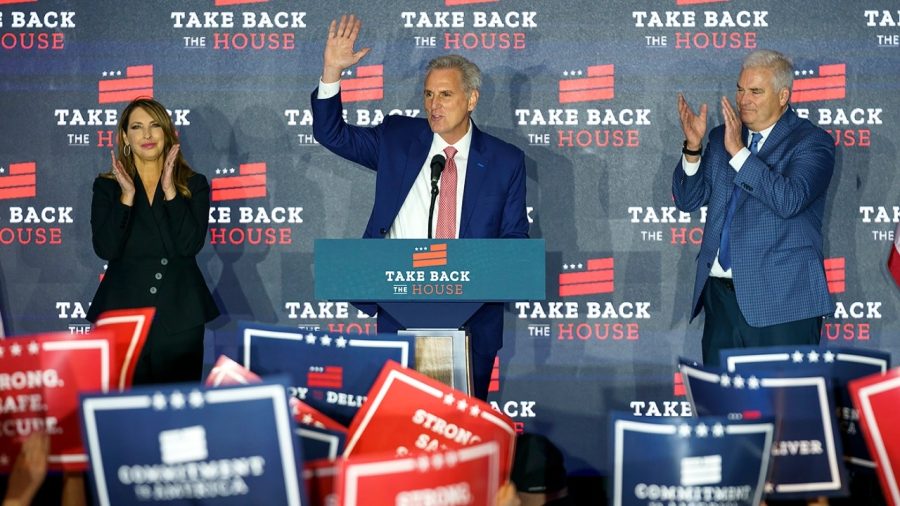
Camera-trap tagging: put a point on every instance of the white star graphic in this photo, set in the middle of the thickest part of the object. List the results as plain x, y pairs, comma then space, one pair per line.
33, 348
462, 405
725, 380
475, 410
310, 338
753, 383
702, 430
797, 356
422, 463
159, 401
307, 419
340, 342
829, 356
451, 459
769, 487
718, 430
195, 399
437, 461
565, 267
177, 400
738, 382
812, 356
580, 265
684, 430
16, 350
449, 399
326, 340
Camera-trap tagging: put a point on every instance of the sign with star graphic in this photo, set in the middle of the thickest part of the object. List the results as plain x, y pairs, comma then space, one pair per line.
469, 476
331, 372
320, 436
410, 413
129, 328
181, 444
695, 459
39, 385
807, 447
843, 365
877, 397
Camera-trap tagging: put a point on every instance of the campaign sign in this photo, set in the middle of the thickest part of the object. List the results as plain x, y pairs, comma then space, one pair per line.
806, 452
40, 377
184, 444
319, 477
707, 460
408, 412
844, 364
320, 436
129, 329
331, 373
877, 397
466, 476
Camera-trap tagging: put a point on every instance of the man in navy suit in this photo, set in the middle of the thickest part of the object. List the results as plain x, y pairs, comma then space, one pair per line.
764, 176
482, 188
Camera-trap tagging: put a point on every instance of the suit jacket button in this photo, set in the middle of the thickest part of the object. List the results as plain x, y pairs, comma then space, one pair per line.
382, 231
164, 261
153, 290
158, 275
709, 265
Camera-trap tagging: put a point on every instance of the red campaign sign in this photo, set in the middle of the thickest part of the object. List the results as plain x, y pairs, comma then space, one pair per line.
408, 412
466, 476
129, 329
40, 377
319, 477
228, 372
876, 398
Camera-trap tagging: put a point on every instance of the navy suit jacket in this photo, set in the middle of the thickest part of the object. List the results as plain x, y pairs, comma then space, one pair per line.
493, 200
776, 231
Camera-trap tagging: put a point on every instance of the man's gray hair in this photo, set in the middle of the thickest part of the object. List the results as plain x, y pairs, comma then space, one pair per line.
471, 74
780, 65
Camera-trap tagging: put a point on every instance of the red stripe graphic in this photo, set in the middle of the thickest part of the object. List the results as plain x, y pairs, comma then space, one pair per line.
494, 386
331, 377
598, 278
830, 85
697, 2
598, 85
21, 181
367, 85
434, 257
835, 274
138, 82
249, 184
7, 2
220, 3
450, 3
678, 390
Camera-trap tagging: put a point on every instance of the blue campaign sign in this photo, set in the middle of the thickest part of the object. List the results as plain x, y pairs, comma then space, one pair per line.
185, 445
807, 449
321, 443
705, 460
430, 270
331, 372
843, 365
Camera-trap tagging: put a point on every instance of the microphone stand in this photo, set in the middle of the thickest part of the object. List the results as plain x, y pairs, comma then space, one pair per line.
434, 194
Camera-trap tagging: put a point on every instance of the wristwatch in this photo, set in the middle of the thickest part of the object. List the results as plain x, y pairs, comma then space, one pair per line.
691, 152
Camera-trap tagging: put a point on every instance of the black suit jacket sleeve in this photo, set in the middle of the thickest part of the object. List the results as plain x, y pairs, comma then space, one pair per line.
110, 219
187, 220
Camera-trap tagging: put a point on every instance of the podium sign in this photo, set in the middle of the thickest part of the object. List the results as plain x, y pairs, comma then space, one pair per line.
473, 270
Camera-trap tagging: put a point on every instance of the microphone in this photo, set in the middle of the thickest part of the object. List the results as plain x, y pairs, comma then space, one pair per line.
437, 166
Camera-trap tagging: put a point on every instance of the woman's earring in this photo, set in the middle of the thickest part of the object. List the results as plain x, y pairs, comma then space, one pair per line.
127, 150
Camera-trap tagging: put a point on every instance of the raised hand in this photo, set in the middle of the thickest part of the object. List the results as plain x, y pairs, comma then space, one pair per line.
339, 53
124, 180
693, 125
168, 179
733, 142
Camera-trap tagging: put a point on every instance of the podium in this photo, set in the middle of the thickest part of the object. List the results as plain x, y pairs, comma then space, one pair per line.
432, 287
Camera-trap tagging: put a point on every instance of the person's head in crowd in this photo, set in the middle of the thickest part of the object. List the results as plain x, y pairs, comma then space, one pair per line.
538, 471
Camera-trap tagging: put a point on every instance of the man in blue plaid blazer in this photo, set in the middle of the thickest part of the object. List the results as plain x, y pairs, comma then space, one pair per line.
763, 176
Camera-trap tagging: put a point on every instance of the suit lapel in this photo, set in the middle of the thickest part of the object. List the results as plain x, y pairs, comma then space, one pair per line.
415, 159
476, 170
782, 128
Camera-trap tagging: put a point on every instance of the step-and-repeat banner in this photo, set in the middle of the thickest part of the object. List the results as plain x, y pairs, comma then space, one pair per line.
587, 89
